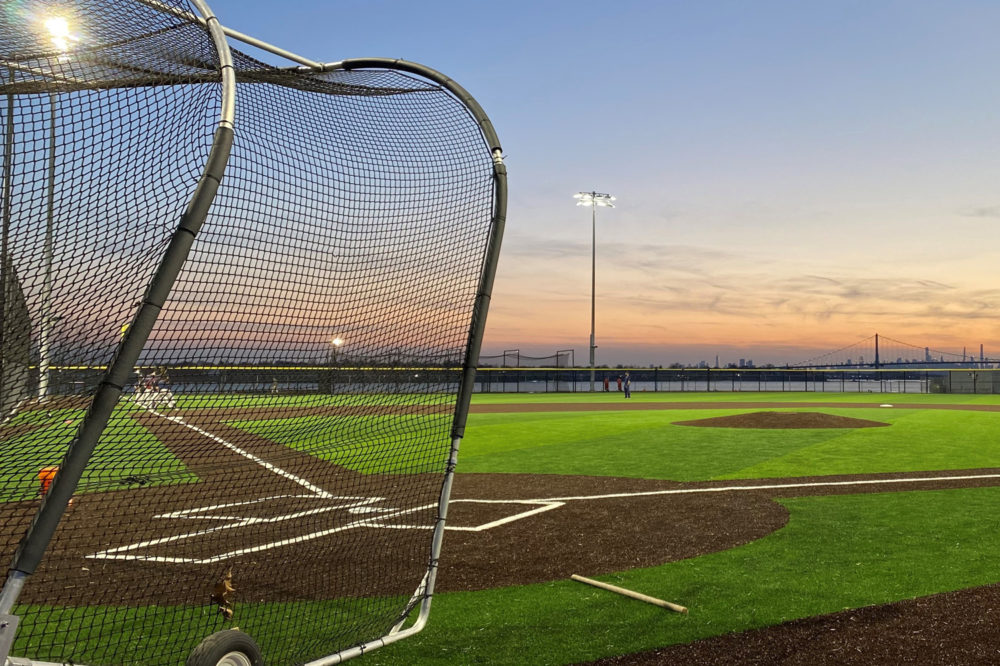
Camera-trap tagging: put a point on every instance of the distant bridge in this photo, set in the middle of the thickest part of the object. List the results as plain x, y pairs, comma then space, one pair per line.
880, 351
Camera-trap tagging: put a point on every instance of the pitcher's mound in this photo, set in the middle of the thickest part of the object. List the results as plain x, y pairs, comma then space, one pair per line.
783, 420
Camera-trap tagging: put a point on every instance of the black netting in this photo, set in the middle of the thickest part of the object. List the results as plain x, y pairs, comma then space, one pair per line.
286, 428
15, 341
513, 358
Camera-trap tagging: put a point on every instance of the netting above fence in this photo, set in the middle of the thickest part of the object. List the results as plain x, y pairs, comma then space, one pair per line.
350, 237
513, 358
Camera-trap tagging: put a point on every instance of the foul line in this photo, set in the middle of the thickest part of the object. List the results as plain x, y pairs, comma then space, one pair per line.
246, 454
815, 484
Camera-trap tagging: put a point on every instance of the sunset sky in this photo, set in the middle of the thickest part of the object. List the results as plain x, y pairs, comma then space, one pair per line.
791, 176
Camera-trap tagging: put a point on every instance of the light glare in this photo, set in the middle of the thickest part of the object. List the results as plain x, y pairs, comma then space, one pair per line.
58, 27
59, 33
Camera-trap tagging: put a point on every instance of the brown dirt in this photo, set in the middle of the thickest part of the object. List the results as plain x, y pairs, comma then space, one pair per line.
960, 627
783, 420
586, 535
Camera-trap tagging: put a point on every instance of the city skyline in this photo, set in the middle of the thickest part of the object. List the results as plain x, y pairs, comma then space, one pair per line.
790, 177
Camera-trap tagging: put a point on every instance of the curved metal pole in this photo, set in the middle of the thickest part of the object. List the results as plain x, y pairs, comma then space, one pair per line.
437, 77
485, 289
44, 523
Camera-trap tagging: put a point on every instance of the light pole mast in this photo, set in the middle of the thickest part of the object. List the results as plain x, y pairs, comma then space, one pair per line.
59, 32
593, 199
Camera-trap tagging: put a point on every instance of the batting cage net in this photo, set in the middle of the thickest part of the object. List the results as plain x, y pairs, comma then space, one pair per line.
15, 340
272, 441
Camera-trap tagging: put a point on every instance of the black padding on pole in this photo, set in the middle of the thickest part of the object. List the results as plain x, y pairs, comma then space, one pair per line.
483, 296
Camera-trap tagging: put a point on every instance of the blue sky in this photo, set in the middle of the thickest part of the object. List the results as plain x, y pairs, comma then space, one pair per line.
791, 176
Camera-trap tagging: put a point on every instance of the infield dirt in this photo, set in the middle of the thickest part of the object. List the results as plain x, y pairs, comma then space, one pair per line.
590, 534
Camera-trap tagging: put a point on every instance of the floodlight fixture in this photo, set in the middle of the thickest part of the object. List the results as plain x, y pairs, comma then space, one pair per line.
59, 32
594, 199
335, 344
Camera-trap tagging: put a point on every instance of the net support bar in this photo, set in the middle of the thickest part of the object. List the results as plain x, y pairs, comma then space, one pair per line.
238, 36
44, 523
476, 329
427, 584
109, 391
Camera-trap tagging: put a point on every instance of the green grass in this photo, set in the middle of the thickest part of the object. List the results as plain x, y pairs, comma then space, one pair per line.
836, 552
368, 444
164, 635
125, 449
646, 444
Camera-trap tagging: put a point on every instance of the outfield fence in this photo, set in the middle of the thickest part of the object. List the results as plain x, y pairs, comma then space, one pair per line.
548, 380
325, 380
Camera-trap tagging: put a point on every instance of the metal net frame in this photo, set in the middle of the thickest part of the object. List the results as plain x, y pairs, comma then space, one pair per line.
232, 405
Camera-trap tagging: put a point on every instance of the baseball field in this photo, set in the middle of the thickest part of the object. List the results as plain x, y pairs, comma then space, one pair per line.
801, 544
796, 528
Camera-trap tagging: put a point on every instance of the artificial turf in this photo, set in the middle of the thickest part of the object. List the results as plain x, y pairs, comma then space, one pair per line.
385, 444
835, 552
125, 451
646, 444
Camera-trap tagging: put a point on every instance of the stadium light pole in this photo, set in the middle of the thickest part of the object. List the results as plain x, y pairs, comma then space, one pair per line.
594, 200
8, 150
59, 32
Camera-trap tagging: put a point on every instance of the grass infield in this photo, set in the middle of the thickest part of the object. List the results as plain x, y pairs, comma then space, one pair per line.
42, 446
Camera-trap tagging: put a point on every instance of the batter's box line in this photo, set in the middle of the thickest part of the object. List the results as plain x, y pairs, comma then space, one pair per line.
542, 506
351, 505
361, 505
127, 553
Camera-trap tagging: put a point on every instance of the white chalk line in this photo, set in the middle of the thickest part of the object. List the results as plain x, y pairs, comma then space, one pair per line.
770, 486
360, 505
377, 522
543, 506
119, 553
246, 454
357, 505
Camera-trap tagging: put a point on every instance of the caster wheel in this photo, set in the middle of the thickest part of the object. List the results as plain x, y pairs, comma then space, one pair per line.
226, 648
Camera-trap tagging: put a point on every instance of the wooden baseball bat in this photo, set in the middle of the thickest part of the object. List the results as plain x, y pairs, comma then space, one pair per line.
629, 593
